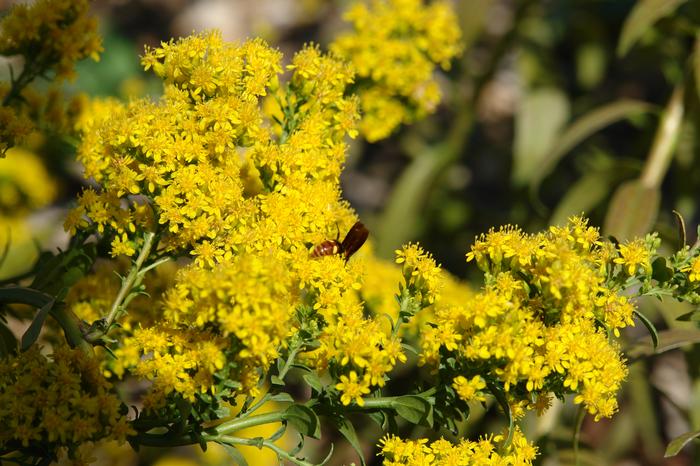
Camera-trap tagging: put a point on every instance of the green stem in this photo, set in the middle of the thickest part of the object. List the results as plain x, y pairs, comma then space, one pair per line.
25, 77
259, 443
580, 416
288, 363
131, 280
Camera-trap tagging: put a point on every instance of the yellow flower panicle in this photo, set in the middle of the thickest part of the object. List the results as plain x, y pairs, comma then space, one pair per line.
422, 277
312, 117
230, 320
537, 322
61, 402
395, 47
360, 350
246, 188
51, 34
176, 361
182, 152
487, 451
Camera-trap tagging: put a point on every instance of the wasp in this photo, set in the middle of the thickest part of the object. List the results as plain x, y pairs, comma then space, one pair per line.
356, 237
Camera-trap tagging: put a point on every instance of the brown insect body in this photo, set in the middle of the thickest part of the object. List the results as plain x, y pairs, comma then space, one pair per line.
327, 248
353, 241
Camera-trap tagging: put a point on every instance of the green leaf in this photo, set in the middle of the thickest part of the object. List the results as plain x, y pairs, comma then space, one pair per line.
346, 428
234, 453
414, 409
582, 128
682, 235
278, 434
650, 326
304, 420
679, 442
660, 271
400, 220
314, 381
275, 380
21, 295
32, 333
541, 116
632, 211
500, 396
643, 16
692, 316
282, 397
378, 417
696, 63
8, 342
583, 196
668, 340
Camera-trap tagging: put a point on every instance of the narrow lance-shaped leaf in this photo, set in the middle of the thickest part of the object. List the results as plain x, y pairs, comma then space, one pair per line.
582, 128
643, 16
304, 420
346, 428
679, 442
633, 210
32, 333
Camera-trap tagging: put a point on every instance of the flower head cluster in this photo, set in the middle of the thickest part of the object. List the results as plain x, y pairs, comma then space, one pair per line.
359, 351
47, 404
398, 452
395, 46
540, 323
241, 173
51, 34
422, 277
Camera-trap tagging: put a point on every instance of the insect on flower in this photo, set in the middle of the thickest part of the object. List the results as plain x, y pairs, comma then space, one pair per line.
355, 238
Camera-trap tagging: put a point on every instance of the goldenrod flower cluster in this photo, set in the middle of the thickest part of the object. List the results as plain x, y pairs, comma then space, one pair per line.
57, 403
241, 172
50, 35
422, 277
230, 320
358, 351
484, 452
379, 290
395, 46
540, 323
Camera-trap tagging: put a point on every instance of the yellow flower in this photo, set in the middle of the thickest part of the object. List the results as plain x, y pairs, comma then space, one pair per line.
634, 254
469, 389
352, 389
694, 269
